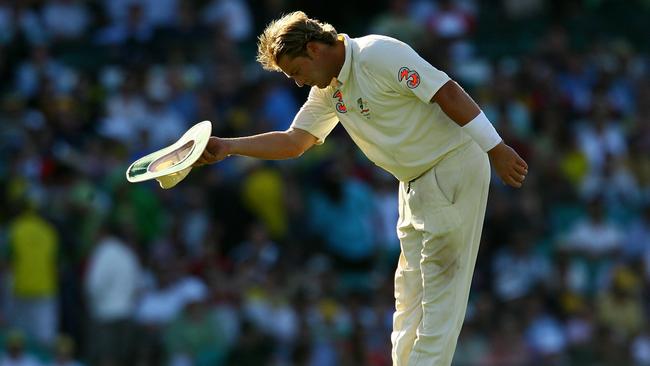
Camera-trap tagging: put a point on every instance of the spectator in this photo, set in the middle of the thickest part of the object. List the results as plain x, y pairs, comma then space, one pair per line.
601, 136
580, 330
518, 270
508, 348
163, 125
161, 13
194, 338
33, 245
253, 348
64, 351
451, 20
544, 334
40, 70
620, 308
342, 213
160, 304
76, 108
112, 285
65, 19
640, 349
126, 113
397, 23
258, 250
6, 22
472, 346
233, 16
19, 19
164, 302
637, 237
594, 241
183, 98
133, 28
264, 194
15, 353
615, 183
387, 215
278, 106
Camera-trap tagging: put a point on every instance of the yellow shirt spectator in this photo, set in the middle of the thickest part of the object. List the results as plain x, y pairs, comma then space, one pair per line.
34, 243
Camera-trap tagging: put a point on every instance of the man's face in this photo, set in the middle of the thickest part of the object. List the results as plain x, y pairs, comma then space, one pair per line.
311, 70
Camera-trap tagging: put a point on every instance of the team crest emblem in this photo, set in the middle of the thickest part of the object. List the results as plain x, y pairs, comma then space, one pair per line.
340, 106
363, 108
411, 76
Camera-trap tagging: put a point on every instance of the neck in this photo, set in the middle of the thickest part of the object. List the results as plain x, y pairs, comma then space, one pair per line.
339, 56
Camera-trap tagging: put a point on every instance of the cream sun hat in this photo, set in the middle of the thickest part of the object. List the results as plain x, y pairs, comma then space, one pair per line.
173, 163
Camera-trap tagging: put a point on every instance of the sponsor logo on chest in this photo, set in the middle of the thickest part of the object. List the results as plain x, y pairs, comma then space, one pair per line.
362, 104
340, 106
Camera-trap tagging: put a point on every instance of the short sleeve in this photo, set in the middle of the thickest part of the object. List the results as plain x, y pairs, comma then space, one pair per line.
316, 116
395, 63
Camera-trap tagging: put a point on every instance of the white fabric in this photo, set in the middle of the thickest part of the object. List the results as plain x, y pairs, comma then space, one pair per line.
382, 97
595, 238
441, 218
482, 131
597, 145
159, 307
112, 280
163, 305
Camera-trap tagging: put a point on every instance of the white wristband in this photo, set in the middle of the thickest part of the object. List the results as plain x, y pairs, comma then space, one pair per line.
482, 131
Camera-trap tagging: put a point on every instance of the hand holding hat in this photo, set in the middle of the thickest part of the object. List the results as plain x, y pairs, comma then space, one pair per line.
215, 151
172, 164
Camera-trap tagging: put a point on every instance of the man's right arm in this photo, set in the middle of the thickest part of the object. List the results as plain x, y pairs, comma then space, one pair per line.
276, 145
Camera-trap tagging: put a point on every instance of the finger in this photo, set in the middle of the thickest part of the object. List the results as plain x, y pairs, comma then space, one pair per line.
517, 179
522, 163
513, 183
207, 155
506, 180
520, 170
201, 160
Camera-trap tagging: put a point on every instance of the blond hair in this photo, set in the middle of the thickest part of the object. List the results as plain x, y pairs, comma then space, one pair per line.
289, 36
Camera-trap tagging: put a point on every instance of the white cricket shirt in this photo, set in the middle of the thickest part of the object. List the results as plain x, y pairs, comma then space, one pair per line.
382, 97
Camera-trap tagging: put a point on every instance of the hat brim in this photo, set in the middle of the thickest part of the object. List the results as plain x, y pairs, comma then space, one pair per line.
172, 164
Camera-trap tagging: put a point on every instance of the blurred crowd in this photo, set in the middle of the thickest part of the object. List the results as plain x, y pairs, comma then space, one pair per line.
291, 262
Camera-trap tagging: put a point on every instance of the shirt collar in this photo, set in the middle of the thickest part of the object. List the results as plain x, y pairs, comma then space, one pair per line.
345, 69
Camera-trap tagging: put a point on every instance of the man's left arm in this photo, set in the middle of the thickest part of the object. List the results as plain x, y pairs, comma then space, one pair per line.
462, 109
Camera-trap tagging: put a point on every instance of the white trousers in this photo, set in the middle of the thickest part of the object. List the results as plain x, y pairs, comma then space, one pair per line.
441, 216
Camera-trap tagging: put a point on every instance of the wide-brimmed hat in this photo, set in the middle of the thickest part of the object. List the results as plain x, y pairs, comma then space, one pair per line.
172, 164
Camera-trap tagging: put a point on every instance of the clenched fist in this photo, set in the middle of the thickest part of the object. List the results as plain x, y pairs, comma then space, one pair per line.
510, 167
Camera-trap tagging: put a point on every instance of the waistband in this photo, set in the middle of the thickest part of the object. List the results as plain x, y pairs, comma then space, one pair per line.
443, 157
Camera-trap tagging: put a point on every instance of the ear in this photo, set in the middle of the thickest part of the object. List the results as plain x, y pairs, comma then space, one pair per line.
313, 48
